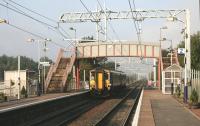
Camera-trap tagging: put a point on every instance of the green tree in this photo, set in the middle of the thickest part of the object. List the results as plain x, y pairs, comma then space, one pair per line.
10, 63
195, 51
23, 91
109, 65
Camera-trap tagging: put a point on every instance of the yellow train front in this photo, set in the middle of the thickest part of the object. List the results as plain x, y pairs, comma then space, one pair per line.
103, 81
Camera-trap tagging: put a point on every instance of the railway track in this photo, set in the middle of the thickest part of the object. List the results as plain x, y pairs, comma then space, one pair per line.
83, 110
121, 112
116, 111
64, 116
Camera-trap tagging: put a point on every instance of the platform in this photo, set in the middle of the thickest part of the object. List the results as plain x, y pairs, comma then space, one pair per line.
5, 106
163, 110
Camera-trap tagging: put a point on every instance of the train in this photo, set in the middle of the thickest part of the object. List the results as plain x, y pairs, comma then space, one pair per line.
103, 81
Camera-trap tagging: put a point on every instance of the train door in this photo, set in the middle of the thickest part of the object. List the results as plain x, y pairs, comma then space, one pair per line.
100, 80
93, 81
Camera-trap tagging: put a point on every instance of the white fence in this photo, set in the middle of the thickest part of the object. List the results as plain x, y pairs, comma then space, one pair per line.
195, 81
169, 78
12, 90
8, 90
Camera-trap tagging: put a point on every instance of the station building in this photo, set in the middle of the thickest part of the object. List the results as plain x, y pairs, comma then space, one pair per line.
11, 82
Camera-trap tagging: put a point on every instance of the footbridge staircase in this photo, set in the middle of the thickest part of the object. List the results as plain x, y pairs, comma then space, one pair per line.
56, 79
166, 59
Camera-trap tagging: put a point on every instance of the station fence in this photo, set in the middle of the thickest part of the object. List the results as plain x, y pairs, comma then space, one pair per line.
195, 82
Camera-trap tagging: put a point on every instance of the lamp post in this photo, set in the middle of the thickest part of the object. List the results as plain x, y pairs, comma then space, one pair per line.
73, 29
74, 82
171, 63
159, 68
45, 49
162, 28
187, 58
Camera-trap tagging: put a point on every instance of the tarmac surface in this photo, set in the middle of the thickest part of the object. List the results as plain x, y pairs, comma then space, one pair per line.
34, 100
163, 110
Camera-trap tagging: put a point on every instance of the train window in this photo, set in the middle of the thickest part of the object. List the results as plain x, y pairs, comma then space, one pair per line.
93, 76
106, 76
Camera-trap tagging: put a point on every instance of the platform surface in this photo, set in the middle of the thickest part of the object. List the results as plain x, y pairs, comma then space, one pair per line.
163, 110
34, 100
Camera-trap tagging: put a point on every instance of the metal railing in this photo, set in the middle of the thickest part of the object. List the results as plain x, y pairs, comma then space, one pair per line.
195, 81
176, 57
68, 70
53, 69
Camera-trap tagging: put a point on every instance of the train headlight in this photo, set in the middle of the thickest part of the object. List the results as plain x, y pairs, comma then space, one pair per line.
108, 85
92, 84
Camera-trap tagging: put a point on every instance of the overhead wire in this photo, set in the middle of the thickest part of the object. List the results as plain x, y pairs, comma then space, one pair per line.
17, 10
7, 13
103, 32
112, 28
11, 6
50, 19
60, 30
26, 31
136, 26
34, 34
108, 22
27, 15
19, 28
92, 15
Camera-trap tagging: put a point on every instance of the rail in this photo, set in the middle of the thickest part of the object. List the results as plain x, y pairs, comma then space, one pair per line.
107, 118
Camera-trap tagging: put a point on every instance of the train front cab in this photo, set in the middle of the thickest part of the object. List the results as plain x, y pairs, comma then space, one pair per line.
99, 82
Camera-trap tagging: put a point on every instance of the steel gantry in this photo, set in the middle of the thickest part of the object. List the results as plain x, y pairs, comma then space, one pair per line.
137, 15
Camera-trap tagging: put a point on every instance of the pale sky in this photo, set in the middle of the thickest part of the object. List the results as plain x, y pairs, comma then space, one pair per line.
13, 42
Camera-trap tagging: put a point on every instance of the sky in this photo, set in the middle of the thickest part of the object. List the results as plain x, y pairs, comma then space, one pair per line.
14, 42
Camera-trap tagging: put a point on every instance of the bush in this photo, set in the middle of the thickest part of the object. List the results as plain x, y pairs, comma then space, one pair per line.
178, 91
3, 97
182, 95
194, 97
24, 92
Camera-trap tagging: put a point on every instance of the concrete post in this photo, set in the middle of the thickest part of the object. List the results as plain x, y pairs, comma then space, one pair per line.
154, 64
77, 75
188, 47
159, 74
84, 76
74, 78
106, 21
19, 85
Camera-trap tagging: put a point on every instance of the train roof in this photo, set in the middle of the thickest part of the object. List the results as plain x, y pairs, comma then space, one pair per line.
111, 71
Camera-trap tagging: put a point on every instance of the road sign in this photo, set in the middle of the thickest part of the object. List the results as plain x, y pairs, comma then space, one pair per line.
181, 51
